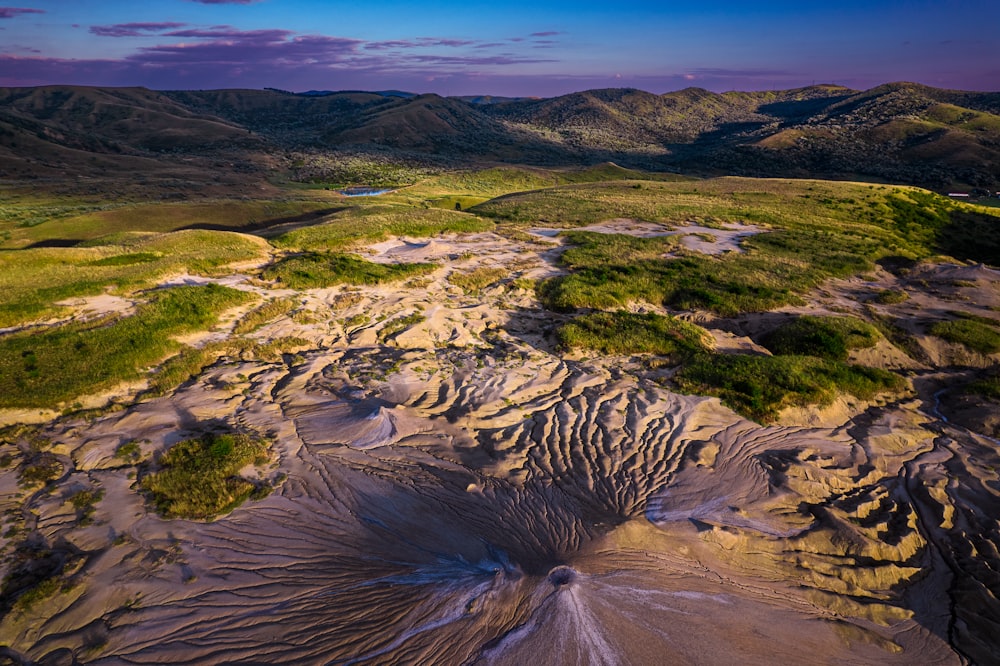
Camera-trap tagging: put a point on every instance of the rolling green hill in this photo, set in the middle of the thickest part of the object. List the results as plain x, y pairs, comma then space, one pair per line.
900, 132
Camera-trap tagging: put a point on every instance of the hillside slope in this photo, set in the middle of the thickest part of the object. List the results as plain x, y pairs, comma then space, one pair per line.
899, 132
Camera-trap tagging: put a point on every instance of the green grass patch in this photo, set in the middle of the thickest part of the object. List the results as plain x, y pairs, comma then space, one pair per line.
817, 230
126, 259
33, 280
825, 337
49, 367
396, 326
198, 478
370, 223
988, 387
891, 297
629, 333
973, 334
316, 270
759, 387
478, 278
725, 285
165, 217
971, 316
265, 314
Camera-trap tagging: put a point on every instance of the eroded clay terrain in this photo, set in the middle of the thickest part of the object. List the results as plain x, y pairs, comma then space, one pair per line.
457, 490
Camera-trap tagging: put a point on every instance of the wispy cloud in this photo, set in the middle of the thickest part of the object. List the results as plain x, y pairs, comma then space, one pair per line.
712, 72
18, 48
11, 12
225, 2
485, 60
223, 56
420, 43
133, 29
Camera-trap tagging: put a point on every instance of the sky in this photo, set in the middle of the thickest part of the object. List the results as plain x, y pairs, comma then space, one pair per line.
502, 47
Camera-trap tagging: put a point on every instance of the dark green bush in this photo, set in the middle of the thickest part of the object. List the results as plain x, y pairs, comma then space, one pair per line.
825, 337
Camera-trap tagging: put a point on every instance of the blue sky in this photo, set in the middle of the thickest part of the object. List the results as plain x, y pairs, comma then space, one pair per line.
503, 48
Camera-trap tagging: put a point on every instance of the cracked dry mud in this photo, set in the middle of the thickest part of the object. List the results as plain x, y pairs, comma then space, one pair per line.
460, 493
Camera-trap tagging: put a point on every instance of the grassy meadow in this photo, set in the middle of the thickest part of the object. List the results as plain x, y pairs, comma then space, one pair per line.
56, 365
815, 230
52, 250
33, 281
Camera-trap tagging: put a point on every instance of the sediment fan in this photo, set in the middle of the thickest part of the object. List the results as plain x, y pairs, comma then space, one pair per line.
583, 519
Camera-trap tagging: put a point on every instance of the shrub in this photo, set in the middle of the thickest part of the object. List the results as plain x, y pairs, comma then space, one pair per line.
396, 326
198, 477
825, 337
40, 468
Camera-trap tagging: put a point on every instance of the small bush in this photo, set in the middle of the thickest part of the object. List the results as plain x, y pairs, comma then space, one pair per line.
198, 477
397, 326
85, 503
825, 337
129, 451
41, 468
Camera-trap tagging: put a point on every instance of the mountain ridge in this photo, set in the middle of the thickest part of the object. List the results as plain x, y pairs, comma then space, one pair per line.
899, 132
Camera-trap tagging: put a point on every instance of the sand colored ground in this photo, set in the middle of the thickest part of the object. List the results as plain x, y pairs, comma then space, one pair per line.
456, 490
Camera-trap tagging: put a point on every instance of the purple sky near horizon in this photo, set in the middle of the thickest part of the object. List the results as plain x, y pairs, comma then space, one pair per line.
512, 48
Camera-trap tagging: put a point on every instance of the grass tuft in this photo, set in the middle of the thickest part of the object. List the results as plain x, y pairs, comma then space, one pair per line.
891, 297
477, 279
265, 314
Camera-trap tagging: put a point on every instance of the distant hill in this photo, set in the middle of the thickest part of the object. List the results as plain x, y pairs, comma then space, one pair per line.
900, 132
